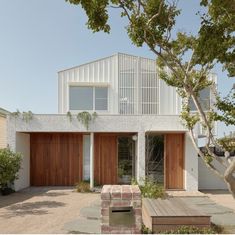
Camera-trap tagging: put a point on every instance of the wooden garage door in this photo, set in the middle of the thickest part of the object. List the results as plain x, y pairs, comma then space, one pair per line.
105, 162
174, 161
56, 159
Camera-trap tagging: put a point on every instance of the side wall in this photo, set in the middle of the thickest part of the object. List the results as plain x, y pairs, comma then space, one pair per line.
23, 146
3, 132
207, 179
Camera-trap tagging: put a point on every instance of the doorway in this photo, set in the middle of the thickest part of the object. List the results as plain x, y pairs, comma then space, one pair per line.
126, 159
154, 157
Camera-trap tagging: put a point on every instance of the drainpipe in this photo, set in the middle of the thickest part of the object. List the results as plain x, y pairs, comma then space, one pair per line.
92, 160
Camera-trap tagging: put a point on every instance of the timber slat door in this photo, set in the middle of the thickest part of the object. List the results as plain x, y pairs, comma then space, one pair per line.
174, 161
105, 159
56, 159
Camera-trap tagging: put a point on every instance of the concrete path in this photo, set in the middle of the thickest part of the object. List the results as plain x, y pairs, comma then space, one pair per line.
220, 215
221, 197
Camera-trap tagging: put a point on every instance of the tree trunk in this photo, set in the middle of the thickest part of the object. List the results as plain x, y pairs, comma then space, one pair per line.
229, 177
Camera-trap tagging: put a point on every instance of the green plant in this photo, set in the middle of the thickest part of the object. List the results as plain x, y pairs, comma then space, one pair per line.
15, 114
214, 229
10, 163
208, 159
85, 118
150, 189
69, 116
83, 187
146, 230
124, 168
27, 116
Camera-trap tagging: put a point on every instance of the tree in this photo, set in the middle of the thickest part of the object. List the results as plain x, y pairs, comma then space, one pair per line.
10, 163
189, 58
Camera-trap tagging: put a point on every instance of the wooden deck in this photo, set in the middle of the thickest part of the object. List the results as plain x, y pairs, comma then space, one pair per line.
161, 215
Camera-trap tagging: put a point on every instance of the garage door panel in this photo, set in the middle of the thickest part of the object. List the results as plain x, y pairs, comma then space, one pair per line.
56, 159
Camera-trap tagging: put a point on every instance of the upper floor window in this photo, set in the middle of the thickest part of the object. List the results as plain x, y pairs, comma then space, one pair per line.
204, 98
88, 98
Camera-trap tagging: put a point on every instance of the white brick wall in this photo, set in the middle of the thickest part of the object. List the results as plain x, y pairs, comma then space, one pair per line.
139, 124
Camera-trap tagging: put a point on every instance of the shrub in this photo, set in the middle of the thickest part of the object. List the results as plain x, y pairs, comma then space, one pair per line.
145, 230
150, 189
83, 187
10, 163
214, 229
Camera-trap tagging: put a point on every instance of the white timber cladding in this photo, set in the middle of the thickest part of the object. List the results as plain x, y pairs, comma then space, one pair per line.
103, 72
133, 85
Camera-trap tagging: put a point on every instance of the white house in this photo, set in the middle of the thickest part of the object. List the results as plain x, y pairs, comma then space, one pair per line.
137, 130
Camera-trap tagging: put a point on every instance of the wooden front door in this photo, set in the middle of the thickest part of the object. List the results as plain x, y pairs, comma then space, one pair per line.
174, 161
105, 159
56, 159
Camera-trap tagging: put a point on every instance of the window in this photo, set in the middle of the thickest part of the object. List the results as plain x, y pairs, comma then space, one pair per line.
101, 101
88, 98
204, 98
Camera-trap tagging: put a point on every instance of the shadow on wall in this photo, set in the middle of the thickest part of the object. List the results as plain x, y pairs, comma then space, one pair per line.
31, 208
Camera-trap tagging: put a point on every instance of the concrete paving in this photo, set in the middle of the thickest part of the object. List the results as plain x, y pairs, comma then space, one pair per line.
49, 210
221, 197
220, 215
61, 210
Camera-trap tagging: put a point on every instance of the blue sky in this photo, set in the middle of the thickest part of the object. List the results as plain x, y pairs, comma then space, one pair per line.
40, 38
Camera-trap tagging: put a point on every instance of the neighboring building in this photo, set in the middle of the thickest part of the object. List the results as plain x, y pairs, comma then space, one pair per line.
3, 128
137, 127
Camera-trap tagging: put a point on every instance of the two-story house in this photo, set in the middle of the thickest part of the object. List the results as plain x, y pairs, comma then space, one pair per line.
137, 130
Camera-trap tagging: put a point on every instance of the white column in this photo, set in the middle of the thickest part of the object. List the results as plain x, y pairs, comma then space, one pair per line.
140, 169
92, 160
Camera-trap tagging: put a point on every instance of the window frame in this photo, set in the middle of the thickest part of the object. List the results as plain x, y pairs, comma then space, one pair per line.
93, 86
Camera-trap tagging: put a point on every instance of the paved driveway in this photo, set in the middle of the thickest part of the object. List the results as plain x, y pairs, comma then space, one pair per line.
49, 210
60, 210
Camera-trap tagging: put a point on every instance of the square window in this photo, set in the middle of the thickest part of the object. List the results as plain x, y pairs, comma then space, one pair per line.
81, 98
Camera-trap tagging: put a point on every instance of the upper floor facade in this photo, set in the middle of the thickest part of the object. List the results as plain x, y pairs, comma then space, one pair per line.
120, 84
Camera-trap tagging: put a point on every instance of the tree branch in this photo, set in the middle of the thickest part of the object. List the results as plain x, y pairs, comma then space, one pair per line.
157, 14
201, 154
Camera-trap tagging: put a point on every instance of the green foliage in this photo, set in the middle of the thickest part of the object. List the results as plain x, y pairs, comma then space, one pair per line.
150, 189
123, 167
83, 187
208, 159
214, 229
227, 107
27, 116
15, 114
185, 60
228, 143
69, 116
189, 119
146, 230
85, 118
10, 163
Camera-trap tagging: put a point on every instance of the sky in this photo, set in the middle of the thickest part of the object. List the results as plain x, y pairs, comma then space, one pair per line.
40, 38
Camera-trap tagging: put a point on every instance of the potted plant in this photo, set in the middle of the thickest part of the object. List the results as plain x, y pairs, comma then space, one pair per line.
10, 163
124, 171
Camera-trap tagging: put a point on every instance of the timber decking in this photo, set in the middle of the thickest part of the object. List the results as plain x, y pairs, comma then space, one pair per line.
161, 215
